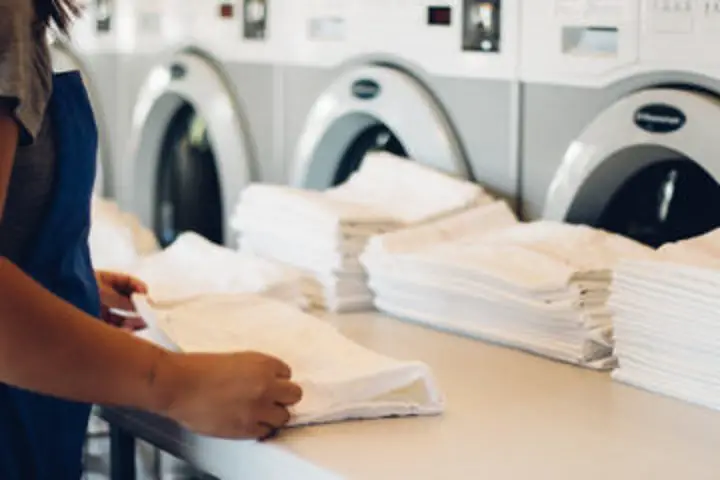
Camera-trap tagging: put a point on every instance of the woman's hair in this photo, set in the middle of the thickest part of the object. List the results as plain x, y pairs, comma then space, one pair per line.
59, 12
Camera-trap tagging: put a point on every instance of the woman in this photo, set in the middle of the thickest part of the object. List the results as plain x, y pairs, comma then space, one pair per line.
56, 358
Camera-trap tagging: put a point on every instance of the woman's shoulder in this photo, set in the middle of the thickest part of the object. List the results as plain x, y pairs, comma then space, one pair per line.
25, 64
18, 9
18, 23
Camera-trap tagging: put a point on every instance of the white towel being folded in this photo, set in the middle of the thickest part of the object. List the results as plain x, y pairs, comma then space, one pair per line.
340, 379
192, 267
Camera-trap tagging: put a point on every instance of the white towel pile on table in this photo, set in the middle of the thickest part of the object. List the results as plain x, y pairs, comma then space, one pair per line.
340, 379
193, 267
540, 287
667, 321
324, 233
117, 239
323, 238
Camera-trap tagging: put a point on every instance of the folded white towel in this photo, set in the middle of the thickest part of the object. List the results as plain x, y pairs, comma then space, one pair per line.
407, 190
324, 233
192, 267
311, 207
667, 325
117, 239
340, 379
474, 222
583, 248
541, 286
301, 235
573, 330
509, 266
309, 258
702, 251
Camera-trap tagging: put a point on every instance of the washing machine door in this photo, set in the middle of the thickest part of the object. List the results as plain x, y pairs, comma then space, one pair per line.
189, 149
647, 167
64, 59
373, 108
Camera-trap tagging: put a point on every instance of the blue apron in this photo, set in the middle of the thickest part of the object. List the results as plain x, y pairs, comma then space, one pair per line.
41, 438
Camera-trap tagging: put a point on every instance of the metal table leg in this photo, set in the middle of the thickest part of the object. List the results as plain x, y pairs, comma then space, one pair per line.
122, 455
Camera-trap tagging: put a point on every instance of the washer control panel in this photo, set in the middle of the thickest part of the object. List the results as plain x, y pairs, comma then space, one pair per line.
481, 25
255, 19
455, 38
583, 42
681, 34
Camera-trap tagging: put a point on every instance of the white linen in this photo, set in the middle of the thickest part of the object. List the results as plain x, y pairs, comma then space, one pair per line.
667, 321
539, 286
341, 380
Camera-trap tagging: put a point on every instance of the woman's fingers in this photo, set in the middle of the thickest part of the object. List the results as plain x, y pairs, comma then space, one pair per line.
111, 298
274, 416
122, 283
284, 392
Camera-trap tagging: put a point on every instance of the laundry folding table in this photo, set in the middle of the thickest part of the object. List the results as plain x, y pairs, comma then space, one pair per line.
509, 415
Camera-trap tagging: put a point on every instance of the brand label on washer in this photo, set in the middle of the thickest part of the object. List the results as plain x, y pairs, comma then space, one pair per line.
659, 118
365, 89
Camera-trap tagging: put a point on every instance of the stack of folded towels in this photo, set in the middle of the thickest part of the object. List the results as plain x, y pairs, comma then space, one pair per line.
117, 239
193, 267
341, 380
667, 321
540, 287
324, 233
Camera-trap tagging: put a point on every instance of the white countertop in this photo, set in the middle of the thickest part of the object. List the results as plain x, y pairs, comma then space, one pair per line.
510, 415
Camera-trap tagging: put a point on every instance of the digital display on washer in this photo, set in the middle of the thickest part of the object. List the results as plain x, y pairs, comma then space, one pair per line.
188, 194
376, 138
226, 10
439, 15
670, 200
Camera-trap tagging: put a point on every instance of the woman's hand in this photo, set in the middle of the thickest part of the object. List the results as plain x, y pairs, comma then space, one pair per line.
115, 292
241, 395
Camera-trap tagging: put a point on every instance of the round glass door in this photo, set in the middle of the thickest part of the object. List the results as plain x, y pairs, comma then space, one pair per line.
669, 200
374, 139
188, 193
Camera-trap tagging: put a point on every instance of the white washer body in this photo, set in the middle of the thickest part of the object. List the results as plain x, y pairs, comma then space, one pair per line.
584, 87
450, 108
250, 66
144, 32
228, 81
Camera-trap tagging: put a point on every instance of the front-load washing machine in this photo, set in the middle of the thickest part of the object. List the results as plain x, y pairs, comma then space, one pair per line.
143, 32
201, 125
621, 107
93, 54
436, 83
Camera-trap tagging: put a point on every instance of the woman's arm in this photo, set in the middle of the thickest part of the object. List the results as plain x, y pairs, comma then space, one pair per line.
39, 332
49, 346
